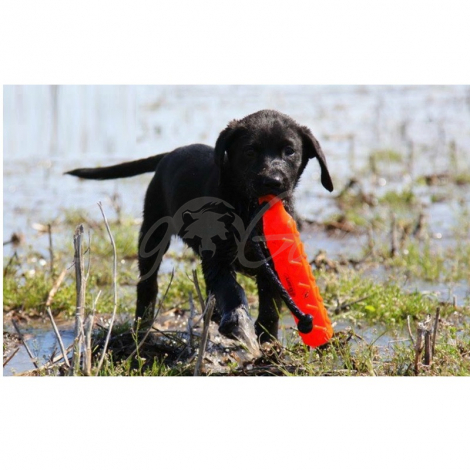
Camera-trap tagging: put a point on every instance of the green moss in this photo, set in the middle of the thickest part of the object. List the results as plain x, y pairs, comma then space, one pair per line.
386, 156
398, 199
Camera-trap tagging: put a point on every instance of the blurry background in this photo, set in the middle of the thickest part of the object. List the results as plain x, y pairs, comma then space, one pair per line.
382, 143
51, 129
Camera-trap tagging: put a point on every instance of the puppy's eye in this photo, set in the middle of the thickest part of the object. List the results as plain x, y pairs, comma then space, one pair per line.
250, 153
289, 151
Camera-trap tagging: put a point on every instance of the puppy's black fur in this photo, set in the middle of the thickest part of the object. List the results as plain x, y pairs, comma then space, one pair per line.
263, 153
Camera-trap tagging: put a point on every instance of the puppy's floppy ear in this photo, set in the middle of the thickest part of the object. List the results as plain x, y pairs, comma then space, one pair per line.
312, 149
225, 139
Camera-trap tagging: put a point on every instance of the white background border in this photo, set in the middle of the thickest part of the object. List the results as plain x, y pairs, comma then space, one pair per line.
229, 423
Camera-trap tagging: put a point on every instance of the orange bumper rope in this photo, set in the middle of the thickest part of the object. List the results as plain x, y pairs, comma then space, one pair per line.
294, 271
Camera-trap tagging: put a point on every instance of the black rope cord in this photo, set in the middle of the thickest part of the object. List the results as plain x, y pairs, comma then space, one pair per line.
305, 324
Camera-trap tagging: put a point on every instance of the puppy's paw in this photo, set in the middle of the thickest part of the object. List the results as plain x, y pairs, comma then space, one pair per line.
237, 324
230, 322
234, 323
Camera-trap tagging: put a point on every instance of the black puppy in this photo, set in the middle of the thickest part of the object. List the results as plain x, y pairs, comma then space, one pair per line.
207, 197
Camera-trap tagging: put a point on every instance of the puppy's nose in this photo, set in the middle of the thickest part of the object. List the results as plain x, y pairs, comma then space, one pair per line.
271, 182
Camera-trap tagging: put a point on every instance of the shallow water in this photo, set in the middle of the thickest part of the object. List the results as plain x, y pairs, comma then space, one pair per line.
49, 130
42, 342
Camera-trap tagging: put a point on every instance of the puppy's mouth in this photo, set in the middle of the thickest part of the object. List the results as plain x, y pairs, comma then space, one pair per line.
265, 185
280, 192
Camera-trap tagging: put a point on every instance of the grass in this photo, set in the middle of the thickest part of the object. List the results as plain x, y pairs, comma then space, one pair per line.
395, 199
424, 260
347, 354
368, 300
385, 304
370, 340
386, 156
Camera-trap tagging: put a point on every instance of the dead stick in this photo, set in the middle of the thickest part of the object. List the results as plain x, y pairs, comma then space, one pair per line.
80, 289
11, 357
56, 359
59, 338
192, 314
427, 347
409, 330
198, 290
171, 338
422, 342
30, 354
87, 358
51, 251
205, 332
49, 364
108, 336
434, 332
341, 307
55, 287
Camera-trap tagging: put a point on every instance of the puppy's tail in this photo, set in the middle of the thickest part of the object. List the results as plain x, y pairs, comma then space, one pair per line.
123, 170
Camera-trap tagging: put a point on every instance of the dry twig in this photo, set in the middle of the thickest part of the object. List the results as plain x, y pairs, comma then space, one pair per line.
423, 342
205, 332
59, 338
434, 332
198, 290
192, 314
105, 347
30, 354
345, 306
80, 288
55, 287
87, 358
10, 357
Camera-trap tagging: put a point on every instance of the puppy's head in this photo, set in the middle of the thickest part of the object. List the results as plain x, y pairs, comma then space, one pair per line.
266, 152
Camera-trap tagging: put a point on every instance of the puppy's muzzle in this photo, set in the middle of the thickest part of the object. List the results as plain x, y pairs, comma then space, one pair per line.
269, 185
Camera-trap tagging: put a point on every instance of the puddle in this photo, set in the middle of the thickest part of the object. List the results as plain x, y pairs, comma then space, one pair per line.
42, 342
220, 350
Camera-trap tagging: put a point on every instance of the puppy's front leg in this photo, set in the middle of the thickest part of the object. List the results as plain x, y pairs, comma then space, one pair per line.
270, 303
229, 295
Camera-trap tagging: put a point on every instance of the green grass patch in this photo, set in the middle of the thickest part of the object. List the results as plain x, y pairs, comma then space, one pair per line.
428, 261
386, 303
375, 311
396, 199
386, 156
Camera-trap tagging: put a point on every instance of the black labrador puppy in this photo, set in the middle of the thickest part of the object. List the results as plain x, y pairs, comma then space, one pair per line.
208, 196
